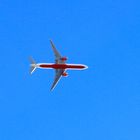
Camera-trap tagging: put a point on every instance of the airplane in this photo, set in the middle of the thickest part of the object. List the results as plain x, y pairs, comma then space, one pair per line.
59, 66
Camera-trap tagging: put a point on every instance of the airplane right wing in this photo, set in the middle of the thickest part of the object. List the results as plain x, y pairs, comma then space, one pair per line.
58, 74
56, 53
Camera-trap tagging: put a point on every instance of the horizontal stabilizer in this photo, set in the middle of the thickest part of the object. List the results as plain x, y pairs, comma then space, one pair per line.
32, 65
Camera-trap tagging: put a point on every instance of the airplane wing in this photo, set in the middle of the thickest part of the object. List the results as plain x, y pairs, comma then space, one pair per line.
58, 74
56, 53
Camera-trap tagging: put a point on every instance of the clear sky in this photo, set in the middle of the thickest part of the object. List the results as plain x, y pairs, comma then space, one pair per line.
100, 103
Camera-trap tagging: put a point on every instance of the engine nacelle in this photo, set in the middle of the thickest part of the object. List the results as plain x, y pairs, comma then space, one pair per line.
64, 58
65, 74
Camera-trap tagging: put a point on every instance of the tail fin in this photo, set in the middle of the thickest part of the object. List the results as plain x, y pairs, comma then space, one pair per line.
32, 65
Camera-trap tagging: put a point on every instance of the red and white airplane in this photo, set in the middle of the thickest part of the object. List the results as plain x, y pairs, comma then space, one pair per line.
60, 66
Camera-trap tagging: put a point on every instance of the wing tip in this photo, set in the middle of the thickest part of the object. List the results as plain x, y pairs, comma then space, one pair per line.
51, 89
51, 41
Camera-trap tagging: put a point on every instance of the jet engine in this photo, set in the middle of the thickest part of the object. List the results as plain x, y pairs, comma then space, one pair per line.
65, 74
64, 58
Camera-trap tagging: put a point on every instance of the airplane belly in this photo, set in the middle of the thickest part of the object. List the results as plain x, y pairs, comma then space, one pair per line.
62, 66
59, 66
75, 67
45, 66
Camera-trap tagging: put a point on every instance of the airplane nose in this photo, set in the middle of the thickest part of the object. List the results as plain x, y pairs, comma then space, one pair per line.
85, 67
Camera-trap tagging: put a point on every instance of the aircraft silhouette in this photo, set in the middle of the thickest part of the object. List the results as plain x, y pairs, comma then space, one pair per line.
59, 66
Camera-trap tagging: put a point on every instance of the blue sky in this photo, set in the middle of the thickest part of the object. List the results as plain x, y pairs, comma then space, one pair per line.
102, 102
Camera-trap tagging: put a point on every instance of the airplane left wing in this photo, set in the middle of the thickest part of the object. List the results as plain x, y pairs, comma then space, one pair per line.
58, 74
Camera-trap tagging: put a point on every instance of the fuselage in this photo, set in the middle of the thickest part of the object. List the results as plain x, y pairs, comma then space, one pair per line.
61, 66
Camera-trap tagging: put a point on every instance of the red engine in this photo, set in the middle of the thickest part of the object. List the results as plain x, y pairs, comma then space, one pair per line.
64, 58
65, 74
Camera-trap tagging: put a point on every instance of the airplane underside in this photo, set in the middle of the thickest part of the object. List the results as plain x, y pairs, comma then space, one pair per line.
62, 66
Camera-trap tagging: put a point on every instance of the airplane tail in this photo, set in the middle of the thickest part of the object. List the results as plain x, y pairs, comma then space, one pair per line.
33, 65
